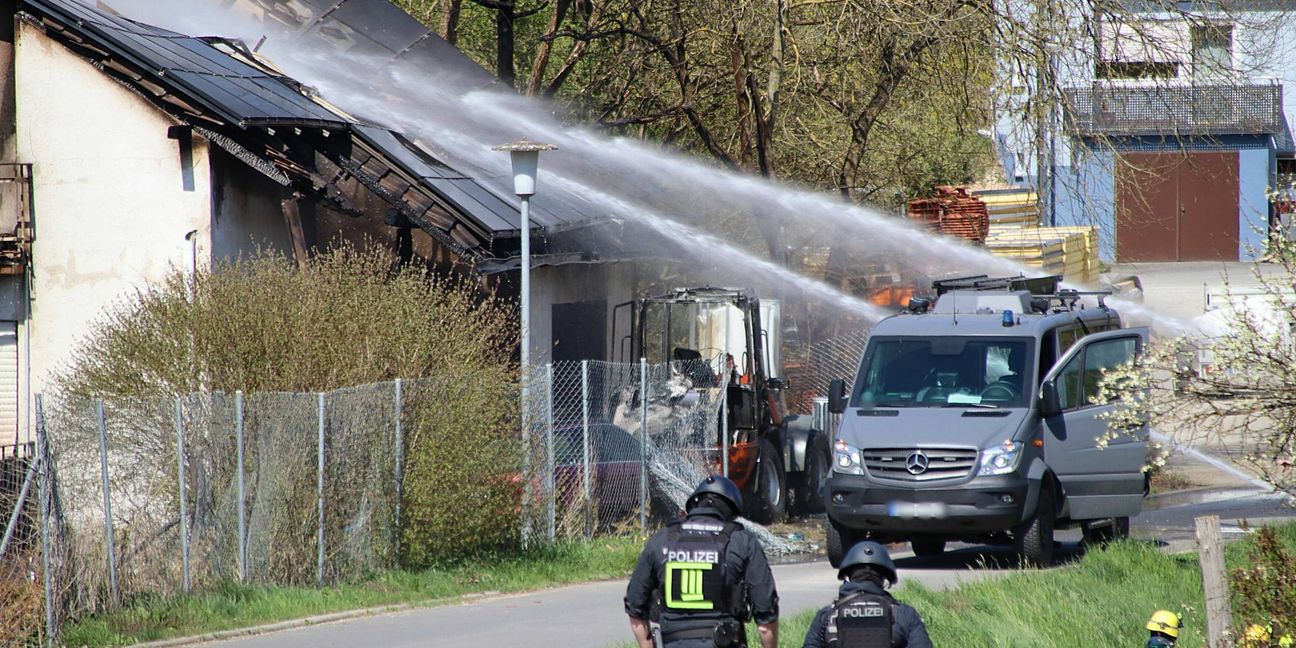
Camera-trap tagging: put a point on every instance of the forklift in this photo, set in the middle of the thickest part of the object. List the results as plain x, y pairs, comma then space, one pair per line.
725, 340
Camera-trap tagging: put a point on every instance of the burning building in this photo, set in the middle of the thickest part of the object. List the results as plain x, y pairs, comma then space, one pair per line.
130, 150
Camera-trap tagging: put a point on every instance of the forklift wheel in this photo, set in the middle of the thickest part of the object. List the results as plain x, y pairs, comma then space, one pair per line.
769, 487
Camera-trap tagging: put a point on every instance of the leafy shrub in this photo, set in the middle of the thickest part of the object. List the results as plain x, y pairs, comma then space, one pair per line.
1264, 593
347, 317
463, 479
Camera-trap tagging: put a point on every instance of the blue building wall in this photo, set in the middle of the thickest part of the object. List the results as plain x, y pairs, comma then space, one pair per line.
1085, 191
1085, 194
1255, 177
1264, 49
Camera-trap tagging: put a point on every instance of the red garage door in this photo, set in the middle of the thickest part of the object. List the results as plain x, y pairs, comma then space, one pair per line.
1177, 206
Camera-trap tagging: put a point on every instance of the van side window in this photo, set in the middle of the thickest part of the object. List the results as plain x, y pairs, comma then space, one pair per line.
1048, 354
1066, 338
1068, 384
1104, 356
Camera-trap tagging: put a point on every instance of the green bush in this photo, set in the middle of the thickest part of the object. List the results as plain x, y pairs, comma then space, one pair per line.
1264, 593
347, 317
463, 478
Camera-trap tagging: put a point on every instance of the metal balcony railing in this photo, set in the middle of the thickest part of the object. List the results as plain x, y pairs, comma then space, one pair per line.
1175, 110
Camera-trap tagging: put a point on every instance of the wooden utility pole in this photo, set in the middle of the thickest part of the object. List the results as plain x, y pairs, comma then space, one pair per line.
1210, 552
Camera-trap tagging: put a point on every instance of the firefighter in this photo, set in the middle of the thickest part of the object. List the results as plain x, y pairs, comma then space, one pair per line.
1163, 629
864, 614
703, 576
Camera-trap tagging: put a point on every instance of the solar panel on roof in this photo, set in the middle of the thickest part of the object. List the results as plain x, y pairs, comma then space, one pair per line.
381, 22
213, 79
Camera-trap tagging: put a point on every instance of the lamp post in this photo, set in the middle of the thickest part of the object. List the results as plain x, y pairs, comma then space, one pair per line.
525, 157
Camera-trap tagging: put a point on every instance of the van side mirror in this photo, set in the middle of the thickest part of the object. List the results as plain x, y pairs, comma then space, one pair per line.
837, 396
1049, 404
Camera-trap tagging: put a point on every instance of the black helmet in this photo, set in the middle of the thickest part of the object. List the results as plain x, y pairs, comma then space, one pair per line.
868, 552
716, 485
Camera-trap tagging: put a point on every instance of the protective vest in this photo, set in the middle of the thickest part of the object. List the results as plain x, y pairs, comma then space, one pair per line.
861, 620
693, 569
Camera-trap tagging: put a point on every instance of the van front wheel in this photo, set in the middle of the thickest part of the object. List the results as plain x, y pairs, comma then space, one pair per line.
839, 541
1033, 540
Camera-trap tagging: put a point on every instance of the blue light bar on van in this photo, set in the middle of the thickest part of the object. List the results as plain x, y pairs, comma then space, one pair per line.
1007, 318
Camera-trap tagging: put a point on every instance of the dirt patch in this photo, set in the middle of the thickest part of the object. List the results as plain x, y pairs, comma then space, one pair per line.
808, 532
1168, 480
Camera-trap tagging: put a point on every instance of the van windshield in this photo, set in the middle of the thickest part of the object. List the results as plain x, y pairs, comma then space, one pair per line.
945, 372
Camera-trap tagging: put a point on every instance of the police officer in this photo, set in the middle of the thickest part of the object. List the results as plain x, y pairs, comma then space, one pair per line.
864, 614
704, 575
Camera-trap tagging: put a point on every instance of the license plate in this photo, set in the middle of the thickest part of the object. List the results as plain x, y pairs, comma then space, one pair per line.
916, 509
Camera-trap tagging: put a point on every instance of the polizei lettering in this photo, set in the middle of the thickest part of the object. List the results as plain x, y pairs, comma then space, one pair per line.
862, 612
684, 555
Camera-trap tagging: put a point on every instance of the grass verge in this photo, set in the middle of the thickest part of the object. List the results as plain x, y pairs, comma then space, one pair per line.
1103, 599
230, 605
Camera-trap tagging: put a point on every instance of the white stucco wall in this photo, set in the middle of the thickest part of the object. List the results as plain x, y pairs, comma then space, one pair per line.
111, 205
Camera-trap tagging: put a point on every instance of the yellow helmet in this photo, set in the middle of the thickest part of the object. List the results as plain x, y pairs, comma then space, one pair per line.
1166, 622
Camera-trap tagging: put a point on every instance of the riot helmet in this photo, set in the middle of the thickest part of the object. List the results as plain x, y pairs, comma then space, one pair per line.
868, 553
718, 486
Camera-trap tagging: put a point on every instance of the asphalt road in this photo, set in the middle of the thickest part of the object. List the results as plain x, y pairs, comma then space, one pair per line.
591, 615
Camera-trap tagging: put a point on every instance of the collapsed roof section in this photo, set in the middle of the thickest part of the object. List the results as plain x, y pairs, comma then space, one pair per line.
227, 95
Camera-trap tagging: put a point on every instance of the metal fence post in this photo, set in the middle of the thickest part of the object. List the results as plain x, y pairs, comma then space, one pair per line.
585, 447
400, 461
107, 507
724, 424
45, 495
319, 491
180, 474
549, 455
643, 442
242, 502
724, 400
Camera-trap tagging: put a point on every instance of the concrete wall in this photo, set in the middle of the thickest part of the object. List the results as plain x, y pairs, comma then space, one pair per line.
551, 285
246, 211
112, 201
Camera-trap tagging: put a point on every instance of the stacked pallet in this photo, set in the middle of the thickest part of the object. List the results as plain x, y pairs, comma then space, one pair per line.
1089, 238
1010, 206
1030, 247
1068, 251
952, 212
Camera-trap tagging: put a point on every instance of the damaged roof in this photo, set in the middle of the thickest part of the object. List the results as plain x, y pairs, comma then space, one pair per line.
194, 70
230, 98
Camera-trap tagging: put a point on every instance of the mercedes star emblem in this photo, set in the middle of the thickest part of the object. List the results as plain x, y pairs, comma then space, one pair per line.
917, 463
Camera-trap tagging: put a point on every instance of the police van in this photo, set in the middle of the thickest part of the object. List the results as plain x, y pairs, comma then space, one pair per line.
978, 419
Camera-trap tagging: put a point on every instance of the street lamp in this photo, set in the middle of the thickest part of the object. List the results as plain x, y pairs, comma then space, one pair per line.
525, 156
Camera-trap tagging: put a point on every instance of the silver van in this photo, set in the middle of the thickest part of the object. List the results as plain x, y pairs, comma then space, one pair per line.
977, 419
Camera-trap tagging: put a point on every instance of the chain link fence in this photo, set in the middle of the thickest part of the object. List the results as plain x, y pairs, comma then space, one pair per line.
127, 498
21, 575
827, 360
617, 446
